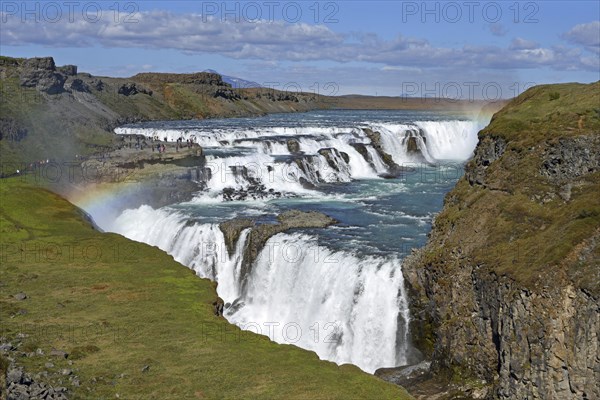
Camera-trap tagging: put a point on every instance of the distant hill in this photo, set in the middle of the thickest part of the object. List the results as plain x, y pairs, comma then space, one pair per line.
56, 112
236, 83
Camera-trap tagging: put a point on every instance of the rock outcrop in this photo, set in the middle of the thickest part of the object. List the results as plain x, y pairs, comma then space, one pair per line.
232, 230
394, 169
79, 86
200, 78
261, 233
41, 74
507, 289
130, 89
67, 70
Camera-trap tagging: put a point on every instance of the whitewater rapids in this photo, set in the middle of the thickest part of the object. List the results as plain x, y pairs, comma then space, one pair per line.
348, 307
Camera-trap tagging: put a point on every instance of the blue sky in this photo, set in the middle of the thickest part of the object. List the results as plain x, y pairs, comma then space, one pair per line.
464, 48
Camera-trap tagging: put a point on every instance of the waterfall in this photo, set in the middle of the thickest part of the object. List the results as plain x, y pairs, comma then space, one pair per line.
346, 309
435, 140
450, 140
293, 161
342, 307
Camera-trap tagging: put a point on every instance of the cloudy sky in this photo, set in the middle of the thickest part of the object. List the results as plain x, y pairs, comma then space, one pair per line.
466, 49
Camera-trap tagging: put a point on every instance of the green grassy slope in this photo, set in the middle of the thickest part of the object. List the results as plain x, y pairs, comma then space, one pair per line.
81, 122
117, 306
519, 222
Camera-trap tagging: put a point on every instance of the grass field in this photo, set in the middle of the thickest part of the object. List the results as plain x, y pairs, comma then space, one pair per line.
117, 306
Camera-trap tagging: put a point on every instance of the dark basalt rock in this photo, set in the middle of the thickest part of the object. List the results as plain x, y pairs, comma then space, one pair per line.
79, 86
375, 138
306, 184
199, 78
41, 74
227, 94
43, 80
361, 148
571, 158
218, 306
42, 63
131, 89
489, 150
293, 146
68, 70
411, 145
404, 375
345, 157
278, 96
232, 229
260, 234
328, 154
97, 84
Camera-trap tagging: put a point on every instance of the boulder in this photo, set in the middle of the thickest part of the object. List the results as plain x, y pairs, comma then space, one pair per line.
130, 89
79, 86
293, 146
59, 353
20, 296
14, 375
68, 70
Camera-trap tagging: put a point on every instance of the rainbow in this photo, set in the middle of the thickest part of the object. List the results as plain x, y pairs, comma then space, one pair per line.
103, 201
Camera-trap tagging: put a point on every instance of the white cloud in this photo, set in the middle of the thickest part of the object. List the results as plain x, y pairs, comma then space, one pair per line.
279, 41
587, 35
401, 69
523, 44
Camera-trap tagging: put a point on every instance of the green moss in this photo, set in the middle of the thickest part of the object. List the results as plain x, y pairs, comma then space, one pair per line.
547, 111
517, 224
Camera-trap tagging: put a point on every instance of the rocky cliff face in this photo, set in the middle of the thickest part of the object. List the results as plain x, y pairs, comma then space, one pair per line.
506, 293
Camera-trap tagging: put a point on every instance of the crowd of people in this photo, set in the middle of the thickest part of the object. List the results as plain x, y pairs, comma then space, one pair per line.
160, 147
140, 143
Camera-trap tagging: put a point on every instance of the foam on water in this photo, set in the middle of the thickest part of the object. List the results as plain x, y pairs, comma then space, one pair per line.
346, 307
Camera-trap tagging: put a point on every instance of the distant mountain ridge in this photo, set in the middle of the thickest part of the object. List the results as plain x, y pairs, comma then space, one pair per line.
236, 83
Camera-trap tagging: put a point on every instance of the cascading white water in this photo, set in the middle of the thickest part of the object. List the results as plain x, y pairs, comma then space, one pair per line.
342, 307
450, 140
440, 140
346, 309
198, 246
